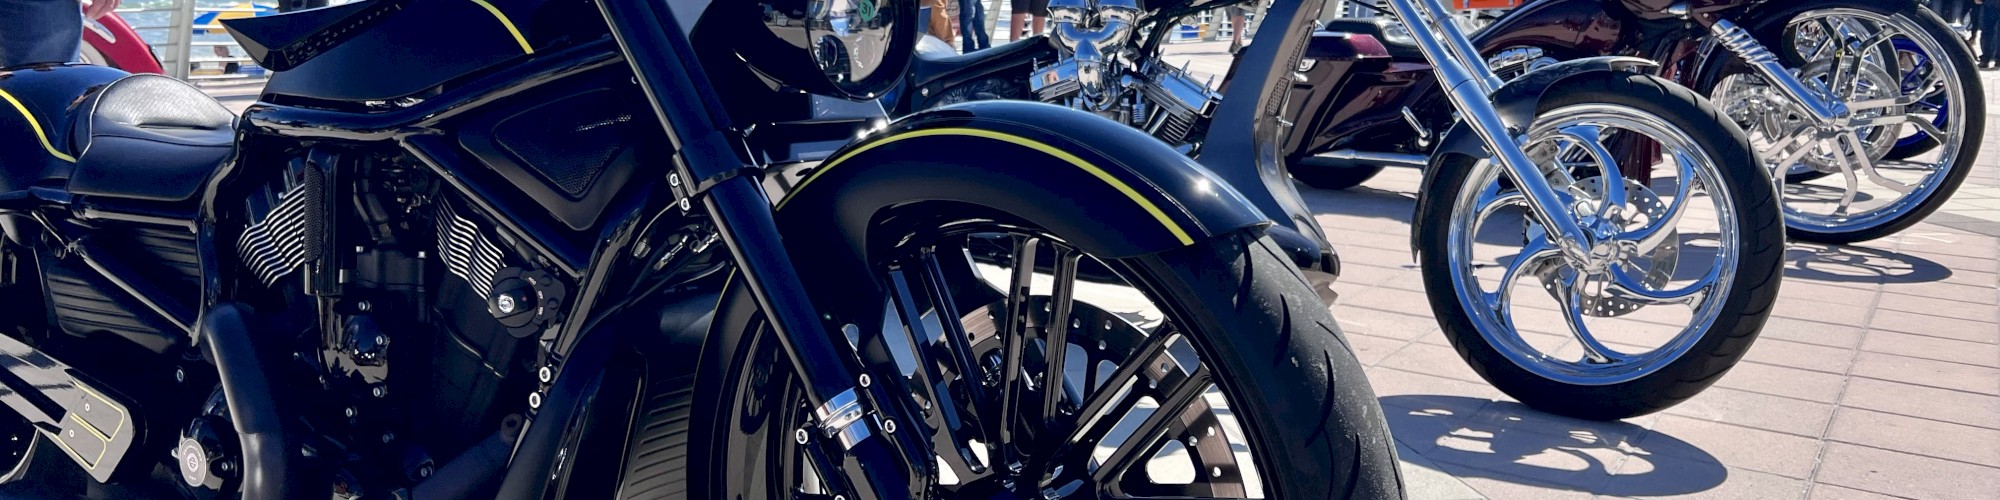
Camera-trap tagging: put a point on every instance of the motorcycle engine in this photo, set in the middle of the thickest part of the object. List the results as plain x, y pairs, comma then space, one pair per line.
1099, 72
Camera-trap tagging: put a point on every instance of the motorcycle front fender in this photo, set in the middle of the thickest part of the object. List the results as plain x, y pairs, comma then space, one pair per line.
1040, 162
1517, 102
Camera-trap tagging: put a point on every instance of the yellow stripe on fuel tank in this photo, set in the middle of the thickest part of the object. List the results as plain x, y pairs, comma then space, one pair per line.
37, 126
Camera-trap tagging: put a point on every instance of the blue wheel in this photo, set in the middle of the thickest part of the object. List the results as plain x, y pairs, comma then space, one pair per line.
1918, 69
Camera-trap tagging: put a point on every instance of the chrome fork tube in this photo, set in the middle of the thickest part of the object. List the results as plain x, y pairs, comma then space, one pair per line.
1467, 81
1460, 44
1738, 40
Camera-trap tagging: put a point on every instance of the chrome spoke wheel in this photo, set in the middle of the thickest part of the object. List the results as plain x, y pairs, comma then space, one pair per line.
1042, 372
1863, 168
1651, 288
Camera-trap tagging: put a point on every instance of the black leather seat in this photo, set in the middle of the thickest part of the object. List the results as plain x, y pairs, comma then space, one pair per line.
148, 137
932, 65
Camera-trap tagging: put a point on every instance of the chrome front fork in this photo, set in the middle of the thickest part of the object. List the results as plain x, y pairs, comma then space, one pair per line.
1470, 83
1738, 40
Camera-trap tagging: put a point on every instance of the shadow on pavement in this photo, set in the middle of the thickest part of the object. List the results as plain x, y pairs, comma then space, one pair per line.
1849, 264
1505, 441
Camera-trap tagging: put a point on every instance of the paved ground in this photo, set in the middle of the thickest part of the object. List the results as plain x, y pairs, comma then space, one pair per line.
1877, 377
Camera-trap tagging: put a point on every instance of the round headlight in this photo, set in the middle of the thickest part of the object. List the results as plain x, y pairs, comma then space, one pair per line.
847, 48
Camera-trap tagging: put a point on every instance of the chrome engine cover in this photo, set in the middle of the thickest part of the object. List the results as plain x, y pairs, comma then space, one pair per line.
1101, 74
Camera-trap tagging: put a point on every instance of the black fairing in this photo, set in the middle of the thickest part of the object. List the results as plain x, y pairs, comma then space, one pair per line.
569, 149
406, 51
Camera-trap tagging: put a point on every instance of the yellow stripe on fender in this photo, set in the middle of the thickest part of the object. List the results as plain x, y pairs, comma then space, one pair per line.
37, 126
1102, 175
525, 48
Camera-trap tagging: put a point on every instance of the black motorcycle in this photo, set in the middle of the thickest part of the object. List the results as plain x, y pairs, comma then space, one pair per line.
536, 253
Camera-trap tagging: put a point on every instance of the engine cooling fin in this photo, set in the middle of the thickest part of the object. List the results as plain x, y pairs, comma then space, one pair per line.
466, 254
291, 234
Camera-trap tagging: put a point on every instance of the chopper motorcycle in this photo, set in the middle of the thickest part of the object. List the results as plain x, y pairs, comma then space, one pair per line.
1867, 110
538, 255
1605, 239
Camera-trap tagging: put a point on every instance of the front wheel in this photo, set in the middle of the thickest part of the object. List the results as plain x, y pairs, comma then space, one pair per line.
1915, 107
1686, 273
1204, 372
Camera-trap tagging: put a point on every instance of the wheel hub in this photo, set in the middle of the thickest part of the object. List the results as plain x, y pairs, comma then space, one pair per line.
1644, 206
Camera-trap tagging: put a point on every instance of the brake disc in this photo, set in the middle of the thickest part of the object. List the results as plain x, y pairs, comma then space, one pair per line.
1658, 264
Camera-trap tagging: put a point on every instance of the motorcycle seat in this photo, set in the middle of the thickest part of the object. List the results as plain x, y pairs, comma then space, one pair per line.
148, 137
931, 64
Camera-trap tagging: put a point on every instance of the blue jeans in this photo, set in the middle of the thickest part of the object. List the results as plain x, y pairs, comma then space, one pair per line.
39, 31
971, 25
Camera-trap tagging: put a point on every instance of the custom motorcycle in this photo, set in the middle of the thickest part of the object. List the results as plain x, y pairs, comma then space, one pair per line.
1866, 109
541, 254
1655, 270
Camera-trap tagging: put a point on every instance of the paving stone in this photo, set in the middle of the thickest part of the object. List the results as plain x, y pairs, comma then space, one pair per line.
1661, 476
1800, 355
1950, 291
1434, 360
1494, 484
1831, 492
1783, 381
1915, 435
1781, 414
1370, 349
1958, 351
1927, 372
1810, 332
1383, 323
1902, 474
1903, 306
1959, 407
1735, 446
1424, 391
1975, 330
1808, 291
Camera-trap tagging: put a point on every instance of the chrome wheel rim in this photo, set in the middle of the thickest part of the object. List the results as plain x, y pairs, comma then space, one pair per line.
1598, 323
1856, 59
1135, 412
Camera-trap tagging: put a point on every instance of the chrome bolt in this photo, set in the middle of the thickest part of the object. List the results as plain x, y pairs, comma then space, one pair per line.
865, 380
349, 412
380, 391
388, 436
363, 306
381, 340
534, 400
180, 375
674, 180
545, 374
889, 426
506, 304
800, 436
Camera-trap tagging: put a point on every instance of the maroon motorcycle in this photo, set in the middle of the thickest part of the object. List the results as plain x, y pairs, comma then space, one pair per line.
1865, 108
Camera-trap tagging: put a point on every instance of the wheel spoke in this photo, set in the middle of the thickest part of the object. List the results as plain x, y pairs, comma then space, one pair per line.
1538, 251
1868, 165
1626, 286
1590, 140
1924, 125
948, 428
1014, 336
1660, 228
1849, 176
1116, 388
956, 341
1056, 341
1137, 445
1569, 292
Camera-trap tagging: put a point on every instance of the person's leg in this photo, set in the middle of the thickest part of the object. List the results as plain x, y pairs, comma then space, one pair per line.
39, 31
972, 25
1989, 35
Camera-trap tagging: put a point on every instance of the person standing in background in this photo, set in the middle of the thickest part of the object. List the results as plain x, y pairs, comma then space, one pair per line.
1988, 12
972, 25
940, 20
1023, 9
45, 31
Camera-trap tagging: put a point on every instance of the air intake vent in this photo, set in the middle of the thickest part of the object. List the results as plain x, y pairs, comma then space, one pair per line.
291, 234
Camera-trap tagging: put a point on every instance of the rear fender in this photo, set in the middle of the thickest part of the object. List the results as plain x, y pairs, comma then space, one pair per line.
1516, 102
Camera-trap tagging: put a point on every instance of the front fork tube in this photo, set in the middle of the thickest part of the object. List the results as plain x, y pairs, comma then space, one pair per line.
1739, 41
1470, 83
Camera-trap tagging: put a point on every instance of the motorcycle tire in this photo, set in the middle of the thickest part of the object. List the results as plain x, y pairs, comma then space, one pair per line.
1315, 428
1771, 25
1334, 179
1740, 314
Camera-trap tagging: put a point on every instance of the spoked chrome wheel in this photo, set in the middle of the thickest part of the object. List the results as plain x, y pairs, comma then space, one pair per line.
1678, 276
1622, 317
1871, 170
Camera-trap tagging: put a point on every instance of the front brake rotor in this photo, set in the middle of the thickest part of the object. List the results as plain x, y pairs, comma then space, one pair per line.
1658, 264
